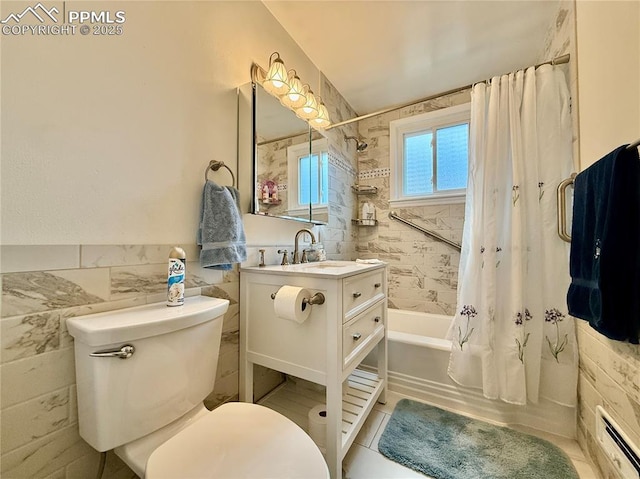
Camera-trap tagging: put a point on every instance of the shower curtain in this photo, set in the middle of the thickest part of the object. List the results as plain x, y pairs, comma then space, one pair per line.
512, 335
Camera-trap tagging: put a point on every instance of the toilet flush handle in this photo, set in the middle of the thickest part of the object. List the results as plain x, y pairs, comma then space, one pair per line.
125, 352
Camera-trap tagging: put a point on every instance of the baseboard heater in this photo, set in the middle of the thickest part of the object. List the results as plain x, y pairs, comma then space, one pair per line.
623, 453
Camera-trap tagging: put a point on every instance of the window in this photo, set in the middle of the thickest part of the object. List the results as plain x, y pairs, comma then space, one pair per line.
309, 176
429, 157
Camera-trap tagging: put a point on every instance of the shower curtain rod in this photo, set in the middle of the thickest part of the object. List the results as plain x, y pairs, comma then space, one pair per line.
556, 61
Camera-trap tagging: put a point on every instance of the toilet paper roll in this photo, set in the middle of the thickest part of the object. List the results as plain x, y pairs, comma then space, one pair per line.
318, 425
289, 304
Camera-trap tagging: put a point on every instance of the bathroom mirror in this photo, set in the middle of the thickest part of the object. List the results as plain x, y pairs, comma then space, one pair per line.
290, 168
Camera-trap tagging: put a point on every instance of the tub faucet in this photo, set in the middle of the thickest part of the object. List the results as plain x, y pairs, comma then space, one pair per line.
296, 259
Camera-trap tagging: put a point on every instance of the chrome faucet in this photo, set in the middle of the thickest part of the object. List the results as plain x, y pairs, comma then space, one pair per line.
295, 250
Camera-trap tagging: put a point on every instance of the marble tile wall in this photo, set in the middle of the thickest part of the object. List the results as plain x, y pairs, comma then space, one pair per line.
423, 273
339, 235
609, 377
560, 40
43, 286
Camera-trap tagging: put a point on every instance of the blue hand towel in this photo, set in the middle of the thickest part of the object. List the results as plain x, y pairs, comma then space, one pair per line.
605, 246
221, 232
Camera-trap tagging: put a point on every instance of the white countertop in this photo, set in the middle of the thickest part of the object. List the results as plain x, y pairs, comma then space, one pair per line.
321, 269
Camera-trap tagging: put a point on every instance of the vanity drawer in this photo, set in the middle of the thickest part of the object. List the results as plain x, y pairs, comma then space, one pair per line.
357, 333
358, 292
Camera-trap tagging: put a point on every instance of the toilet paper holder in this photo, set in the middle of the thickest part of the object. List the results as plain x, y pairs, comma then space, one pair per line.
317, 298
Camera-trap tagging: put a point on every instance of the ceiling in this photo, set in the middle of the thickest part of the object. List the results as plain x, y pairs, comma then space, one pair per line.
384, 53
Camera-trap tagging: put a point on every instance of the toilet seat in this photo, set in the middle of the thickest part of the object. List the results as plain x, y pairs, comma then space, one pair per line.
238, 440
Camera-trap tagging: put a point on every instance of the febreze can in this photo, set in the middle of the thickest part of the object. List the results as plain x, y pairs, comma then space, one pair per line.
175, 277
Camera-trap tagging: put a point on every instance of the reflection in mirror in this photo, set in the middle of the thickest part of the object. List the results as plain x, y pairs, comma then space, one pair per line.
308, 175
290, 176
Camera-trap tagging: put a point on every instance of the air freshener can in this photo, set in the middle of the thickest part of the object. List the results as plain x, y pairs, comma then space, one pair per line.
175, 277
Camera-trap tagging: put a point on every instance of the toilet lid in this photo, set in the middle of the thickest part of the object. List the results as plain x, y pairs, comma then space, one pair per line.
238, 440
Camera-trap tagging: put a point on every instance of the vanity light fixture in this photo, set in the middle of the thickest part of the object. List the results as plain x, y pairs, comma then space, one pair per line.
276, 81
297, 94
288, 87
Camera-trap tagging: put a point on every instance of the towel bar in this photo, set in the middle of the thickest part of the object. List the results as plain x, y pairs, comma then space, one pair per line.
562, 200
562, 207
215, 166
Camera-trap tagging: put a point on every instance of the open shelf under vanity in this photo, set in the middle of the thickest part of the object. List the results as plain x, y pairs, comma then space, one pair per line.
295, 398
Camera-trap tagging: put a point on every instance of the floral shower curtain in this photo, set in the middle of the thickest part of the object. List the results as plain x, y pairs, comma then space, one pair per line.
512, 335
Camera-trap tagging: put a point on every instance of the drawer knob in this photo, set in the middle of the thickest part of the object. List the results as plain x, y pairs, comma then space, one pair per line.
377, 319
357, 295
357, 336
377, 285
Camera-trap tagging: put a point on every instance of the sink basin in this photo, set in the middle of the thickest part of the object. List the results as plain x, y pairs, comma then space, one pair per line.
328, 269
327, 264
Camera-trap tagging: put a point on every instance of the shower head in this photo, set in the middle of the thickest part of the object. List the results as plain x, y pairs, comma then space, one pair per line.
360, 145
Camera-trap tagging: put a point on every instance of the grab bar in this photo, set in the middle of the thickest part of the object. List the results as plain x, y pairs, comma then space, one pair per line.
562, 207
432, 234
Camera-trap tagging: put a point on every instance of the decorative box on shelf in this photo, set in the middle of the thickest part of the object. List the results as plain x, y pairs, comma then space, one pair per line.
268, 193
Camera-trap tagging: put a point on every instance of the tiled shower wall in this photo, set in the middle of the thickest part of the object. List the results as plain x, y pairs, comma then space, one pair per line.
42, 286
339, 235
423, 273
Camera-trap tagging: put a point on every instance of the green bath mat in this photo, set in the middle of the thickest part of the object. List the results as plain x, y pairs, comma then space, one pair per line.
445, 445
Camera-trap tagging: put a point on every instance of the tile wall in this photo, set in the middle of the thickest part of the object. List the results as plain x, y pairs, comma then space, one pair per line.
339, 235
609, 377
42, 286
423, 273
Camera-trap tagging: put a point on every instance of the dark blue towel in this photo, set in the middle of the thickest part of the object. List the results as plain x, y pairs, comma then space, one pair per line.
605, 246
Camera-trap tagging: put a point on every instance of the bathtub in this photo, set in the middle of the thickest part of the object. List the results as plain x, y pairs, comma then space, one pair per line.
417, 344
418, 357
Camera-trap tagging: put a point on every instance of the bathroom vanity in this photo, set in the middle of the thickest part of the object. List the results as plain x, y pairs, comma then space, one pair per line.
327, 347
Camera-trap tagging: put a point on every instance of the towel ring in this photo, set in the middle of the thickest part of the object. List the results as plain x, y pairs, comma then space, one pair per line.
215, 166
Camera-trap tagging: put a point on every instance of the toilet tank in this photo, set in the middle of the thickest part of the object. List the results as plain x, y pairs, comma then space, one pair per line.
171, 371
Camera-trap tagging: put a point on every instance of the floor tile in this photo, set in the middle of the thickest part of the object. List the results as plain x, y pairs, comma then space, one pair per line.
376, 438
392, 400
363, 463
370, 428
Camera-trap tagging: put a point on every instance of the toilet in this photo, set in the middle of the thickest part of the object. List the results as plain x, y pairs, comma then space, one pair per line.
142, 374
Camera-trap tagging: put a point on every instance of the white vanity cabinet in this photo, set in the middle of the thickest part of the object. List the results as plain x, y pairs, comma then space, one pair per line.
327, 347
